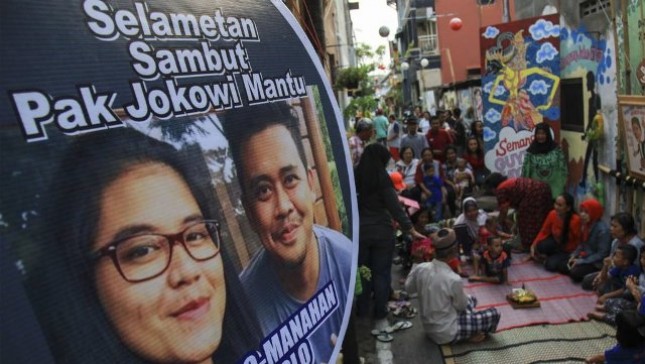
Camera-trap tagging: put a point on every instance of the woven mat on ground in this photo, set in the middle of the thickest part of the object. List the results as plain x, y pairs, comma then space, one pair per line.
561, 300
567, 343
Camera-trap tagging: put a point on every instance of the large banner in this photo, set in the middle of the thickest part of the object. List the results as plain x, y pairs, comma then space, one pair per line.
520, 87
174, 184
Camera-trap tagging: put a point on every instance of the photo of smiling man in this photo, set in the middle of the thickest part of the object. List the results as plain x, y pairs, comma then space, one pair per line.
299, 259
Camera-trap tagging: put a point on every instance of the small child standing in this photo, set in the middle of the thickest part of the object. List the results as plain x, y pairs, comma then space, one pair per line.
431, 191
617, 276
494, 263
464, 179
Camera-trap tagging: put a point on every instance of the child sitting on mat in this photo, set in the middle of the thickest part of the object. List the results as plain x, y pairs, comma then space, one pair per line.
617, 276
494, 263
629, 300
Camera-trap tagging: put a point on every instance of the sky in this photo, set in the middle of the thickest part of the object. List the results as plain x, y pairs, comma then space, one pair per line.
371, 15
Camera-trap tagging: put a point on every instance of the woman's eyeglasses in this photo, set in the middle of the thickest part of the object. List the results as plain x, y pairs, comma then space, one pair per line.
142, 257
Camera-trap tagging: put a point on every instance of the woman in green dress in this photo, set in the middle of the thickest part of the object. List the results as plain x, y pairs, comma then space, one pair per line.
544, 160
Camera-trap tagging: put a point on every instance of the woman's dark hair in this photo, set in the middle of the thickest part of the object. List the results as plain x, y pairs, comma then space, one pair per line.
370, 174
473, 127
479, 152
570, 202
493, 180
626, 221
424, 150
547, 146
62, 285
403, 151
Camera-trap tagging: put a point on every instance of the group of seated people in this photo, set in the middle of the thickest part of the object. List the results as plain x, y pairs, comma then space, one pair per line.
534, 216
606, 258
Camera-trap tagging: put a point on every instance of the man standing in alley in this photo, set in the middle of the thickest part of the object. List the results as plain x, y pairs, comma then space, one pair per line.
413, 138
394, 132
448, 315
299, 259
363, 132
438, 139
380, 126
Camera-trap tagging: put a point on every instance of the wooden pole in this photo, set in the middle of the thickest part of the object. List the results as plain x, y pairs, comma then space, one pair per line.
320, 159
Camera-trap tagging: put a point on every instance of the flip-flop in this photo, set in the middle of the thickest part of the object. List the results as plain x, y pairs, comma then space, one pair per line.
399, 325
384, 337
405, 325
406, 312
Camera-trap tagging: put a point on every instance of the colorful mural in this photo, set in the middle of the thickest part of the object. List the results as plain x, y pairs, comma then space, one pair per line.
520, 87
589, 56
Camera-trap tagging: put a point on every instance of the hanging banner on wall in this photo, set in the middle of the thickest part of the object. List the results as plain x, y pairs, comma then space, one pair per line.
520, 87
174, 182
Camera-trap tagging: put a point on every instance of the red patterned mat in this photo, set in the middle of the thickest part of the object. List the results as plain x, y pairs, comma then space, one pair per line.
561, 300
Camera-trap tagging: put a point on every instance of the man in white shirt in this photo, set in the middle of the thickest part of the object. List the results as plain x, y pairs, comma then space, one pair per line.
447, 313
424, 123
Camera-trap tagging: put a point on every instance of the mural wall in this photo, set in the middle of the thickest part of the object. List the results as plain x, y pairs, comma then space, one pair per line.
590, 57
520, 87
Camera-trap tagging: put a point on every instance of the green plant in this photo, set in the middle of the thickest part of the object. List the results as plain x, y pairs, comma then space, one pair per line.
351, 77
365, 273
360, 104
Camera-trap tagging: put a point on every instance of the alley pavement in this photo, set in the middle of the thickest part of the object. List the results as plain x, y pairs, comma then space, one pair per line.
409, 346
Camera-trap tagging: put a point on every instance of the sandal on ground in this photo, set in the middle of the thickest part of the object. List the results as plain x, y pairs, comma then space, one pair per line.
384, 337
401, 325
406, 312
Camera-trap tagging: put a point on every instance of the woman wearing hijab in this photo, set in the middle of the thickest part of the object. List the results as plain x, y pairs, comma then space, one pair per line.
378, 204
473, 218
544, 160
595, 241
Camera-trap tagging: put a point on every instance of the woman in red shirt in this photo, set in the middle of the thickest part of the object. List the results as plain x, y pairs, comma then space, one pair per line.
559, 236
474, 155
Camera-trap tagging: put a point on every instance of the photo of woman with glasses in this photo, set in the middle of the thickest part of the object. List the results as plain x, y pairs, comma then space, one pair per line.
133, 268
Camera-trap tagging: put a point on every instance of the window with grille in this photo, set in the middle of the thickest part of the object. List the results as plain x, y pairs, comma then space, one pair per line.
589, 7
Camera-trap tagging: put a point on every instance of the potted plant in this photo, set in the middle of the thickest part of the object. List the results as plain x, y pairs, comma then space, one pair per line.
350, 77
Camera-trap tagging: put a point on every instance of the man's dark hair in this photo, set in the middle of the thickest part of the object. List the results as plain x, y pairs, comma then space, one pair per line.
629, 252
241, 124
456, 112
